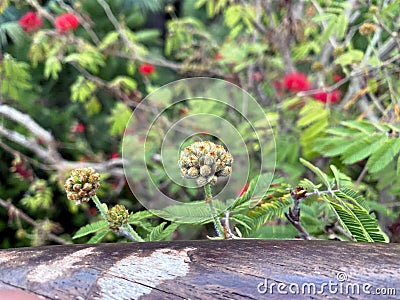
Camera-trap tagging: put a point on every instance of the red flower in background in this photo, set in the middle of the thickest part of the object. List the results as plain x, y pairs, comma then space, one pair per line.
337, 77
146, 69
22, 170
114, 155
77, 128
324, 97
257, 76
218, 56
296, 82
30, 21
66, 22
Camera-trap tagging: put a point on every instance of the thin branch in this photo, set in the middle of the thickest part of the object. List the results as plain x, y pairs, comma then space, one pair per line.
28, 122
355, 73
25, 142
43, 12
14, 211
293, 215
47, 151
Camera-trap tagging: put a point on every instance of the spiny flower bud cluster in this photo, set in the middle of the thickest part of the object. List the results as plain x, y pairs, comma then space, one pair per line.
117, 216
205, 162
367, 29
82, 185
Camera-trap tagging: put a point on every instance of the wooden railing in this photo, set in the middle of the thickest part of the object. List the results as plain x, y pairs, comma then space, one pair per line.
231, 269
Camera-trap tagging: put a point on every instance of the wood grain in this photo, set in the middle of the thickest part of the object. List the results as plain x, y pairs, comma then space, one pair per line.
234, 269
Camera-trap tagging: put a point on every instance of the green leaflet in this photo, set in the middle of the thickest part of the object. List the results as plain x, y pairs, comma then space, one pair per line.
313, 121
358, 140
258, 187
356, 220
195, 212
322, 176
332, 146
15, 78
383, 155
119, 118
359, 150
342, 180
159, 233
99, 236
311, 113
398, 167
243, 220
255, 218
363, 126
90, 228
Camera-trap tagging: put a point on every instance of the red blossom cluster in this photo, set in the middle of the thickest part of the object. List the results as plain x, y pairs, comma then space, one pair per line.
324, 97
114, 155
218, 56
21, 170
77, 128
146, 69
64, 23
298, 82
30, 22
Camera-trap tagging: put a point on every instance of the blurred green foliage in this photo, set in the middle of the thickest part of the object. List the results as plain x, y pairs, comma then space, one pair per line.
82, 86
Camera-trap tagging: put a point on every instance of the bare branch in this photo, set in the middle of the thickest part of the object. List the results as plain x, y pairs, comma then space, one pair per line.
16, 212
26, 121
47, 152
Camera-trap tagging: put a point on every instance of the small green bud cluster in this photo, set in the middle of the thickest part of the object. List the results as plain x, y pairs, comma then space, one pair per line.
82, 185
205, 162
117, 216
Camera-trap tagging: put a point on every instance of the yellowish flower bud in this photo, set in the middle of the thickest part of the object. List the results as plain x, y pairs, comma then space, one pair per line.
367, 29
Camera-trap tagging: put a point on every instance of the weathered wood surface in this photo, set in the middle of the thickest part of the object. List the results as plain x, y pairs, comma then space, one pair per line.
234, 269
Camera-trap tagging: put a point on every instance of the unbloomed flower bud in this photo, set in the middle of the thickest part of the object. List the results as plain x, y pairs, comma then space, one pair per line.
117, 216
82, 185
338, 51
373, 9
367, 29
205, 161
317, 66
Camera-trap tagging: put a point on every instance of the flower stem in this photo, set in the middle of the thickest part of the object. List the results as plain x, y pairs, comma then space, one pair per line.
217, 223
125, 230
100, 207
131, 233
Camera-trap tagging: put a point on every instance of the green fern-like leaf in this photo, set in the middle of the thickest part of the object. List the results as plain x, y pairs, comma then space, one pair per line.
361, 149
39, 196
159, 233
119, 118
195, 212
313, 121
98, 237
355, 218
341, 180
12, 31
90, 228
321, 175
257, 189
15, 77
255, 218
332, 146
383, 155
361, 126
